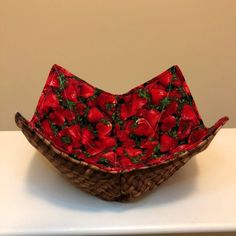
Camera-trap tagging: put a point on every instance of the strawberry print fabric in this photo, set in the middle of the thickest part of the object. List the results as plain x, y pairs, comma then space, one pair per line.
146, 126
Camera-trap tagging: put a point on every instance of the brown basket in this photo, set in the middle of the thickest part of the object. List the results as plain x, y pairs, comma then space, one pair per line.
106, 185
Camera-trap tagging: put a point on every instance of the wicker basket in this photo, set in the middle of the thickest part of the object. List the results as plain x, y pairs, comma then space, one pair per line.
110, 184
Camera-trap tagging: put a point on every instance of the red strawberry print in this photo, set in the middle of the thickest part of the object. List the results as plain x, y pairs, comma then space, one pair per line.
176, 82
68, 147
68, 114
155, 161
110, 156
153, 116
155, 85
168, 123
120, 151
69, 138
142, 127
70, 93
106, 101
126, 111
123, 136
175, 94
167, 143
181, 148
159, 86
108, 142
127, 98
130, 151
87, 136
103, 127
171, 109
184, 129
131, 108
47, 128
196, 135
80, 108
128, 142
150, 147
150, 86
149, 144
188, 114
116, 132
76, 83
94, 115
93, 102
73, 131
95, 148
137, 102
100, 145
125, 162
86, 90
128, 126
165, 79
157, 95
142, 112
57, 117
53, 80
50, 101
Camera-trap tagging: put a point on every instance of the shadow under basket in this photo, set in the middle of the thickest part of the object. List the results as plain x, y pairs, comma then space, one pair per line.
110, 184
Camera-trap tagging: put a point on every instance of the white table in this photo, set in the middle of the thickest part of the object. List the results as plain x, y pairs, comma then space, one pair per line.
36, 199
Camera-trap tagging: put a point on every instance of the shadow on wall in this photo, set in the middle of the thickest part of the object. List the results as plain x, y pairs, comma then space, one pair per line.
45, 182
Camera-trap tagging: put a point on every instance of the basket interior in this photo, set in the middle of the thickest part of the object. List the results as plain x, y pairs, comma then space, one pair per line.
148, 125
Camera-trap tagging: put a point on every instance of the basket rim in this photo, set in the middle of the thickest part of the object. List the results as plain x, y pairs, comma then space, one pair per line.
23, 123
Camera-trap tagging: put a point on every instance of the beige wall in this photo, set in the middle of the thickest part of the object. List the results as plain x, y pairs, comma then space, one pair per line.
116, 45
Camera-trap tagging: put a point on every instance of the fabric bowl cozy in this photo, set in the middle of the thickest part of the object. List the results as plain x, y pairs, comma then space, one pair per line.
117, 146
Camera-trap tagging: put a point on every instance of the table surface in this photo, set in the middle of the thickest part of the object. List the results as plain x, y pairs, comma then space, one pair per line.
36, 199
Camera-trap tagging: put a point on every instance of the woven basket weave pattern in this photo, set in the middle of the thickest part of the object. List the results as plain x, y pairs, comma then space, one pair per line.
121, 187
